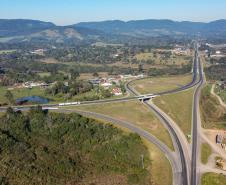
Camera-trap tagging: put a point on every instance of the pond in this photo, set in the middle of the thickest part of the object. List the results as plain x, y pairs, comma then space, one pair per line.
32, 99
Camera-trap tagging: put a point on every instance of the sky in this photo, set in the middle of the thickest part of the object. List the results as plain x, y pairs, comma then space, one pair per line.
65, 12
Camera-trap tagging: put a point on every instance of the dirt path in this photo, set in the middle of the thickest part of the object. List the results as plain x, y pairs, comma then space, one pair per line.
218, 97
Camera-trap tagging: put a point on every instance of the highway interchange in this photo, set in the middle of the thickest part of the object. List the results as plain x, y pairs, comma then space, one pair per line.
184, 172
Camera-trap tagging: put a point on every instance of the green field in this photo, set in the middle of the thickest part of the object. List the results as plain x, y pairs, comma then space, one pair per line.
179, 107
18, 93
160, 84
36, 91
213, 179
206, 151
173, 60
135, 113
7, 51
44, 74
1, 114
23, 92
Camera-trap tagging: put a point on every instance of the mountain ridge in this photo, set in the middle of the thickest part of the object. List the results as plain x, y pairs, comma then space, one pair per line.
20, 30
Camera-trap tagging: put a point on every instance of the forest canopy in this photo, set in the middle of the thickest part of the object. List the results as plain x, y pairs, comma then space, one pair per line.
53, 148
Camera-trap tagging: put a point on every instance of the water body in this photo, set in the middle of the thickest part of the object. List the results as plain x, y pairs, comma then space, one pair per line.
32, 99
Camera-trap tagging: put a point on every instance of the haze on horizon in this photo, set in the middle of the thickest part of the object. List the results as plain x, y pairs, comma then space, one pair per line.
74, 11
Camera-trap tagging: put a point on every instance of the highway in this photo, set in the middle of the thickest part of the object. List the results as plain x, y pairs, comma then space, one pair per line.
196, 123
131, 91
177, 138
182, 173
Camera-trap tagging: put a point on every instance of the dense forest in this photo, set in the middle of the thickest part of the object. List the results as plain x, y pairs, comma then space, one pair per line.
216, 72
39, 147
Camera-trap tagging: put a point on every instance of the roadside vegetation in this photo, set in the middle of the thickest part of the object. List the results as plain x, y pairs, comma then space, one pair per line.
135, 113
206, 151
179, 107
213, 114
161, 170
213, 179
53, 148
221, 92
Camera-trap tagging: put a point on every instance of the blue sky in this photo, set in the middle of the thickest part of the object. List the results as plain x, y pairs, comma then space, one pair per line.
63, 12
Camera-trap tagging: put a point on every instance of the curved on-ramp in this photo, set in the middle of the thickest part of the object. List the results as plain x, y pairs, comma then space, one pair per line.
171, 156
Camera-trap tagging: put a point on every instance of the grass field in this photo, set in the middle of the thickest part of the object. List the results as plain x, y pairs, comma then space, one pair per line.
179, 107
160, 84
136, 113
88, 76
1, 114
36, 91
206, 151
18, 93
173, 60
213, 179
44, 74
161, 171
7, 51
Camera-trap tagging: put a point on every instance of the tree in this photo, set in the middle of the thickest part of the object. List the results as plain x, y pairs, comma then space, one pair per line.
74, 74
140, 68
95, 74
9, 97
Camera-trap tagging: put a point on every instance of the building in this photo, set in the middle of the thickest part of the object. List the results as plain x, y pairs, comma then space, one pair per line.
35, 84
95, 82
116, 91
106, 84
219, 139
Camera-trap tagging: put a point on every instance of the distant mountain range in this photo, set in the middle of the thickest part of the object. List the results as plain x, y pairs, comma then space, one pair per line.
19, 30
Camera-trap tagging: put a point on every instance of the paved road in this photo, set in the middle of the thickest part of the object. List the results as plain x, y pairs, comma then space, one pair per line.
129, 89
177, 138
172, 157
195, 175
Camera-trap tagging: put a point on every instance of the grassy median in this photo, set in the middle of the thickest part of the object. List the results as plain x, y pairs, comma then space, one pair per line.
206, 151
179, 107
160, 84
136, 113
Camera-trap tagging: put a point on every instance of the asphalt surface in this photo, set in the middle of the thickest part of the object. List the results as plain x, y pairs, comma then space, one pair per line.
195, 140
184, 169
183, 158
141, 132
129, 89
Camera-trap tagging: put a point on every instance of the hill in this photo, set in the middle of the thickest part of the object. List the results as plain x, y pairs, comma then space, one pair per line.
18, 27
158, 27
20, 30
